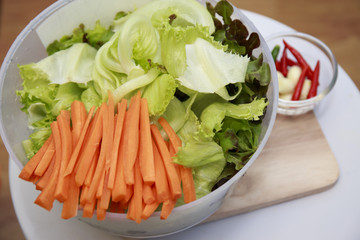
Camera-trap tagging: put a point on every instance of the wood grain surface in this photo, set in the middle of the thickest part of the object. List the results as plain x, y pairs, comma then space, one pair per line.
337, 23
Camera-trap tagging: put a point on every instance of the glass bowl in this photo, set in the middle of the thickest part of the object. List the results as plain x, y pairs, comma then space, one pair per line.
30, 46
312, 49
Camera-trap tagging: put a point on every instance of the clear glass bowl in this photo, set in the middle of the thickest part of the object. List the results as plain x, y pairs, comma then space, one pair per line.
312, 49
30, 47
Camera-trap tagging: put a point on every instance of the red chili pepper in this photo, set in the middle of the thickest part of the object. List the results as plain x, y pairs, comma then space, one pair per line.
283, 64
277, 65
299, 85
291, 62
315, 81
297, 55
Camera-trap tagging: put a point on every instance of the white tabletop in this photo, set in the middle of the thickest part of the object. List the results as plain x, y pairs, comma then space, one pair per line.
333, 214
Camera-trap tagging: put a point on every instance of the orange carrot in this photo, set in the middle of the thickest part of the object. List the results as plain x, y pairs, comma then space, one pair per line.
173, 137
120, 187
172, 154
70, 205
66, 150
45, 160
106, 194
116, 207
83, 195
100, 212
173, 178
151, 207
161, 181
46, 197
131, 137
78, 118
96, 185
167, 208
185, 173
188, 184
91, 173
109, 131
146, 155
148, 194
88, 210
75, 154
129, 193
40, 185
30, 166
136, 203
121, 109
93, 140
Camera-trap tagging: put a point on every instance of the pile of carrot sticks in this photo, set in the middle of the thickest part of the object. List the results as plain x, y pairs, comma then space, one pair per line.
110, 159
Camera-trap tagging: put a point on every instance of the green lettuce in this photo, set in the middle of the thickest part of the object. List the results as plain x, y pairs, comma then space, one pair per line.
213, 115
210, 69
159, 93
95, 37
51, 85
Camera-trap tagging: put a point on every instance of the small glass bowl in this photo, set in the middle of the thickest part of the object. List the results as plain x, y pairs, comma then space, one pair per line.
312, 49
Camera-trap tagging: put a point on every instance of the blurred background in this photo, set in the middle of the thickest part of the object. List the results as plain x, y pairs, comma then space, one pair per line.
336, 23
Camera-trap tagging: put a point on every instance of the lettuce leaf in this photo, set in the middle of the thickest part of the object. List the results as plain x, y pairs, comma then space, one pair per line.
159, 93
213, 115
95, 37
210, 69
201, 153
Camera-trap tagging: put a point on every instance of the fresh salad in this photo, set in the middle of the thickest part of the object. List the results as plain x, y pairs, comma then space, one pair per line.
193, 66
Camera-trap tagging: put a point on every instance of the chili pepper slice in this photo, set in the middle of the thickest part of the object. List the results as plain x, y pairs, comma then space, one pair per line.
297, 55
299, 85
283, 64
315, 81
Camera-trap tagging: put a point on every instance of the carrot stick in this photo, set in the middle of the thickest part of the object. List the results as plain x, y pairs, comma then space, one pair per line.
148, 194
110, 131
151, 207
167, 208
91, 173
121, 109
40, 185
46, 197
75, 154
96, 185
184, 172
161, 181
100, 212
172, 154
30, 166
146, 155
129, 193
70, 205
120, 188
187, 184
66, 150
88, 210
78, 118
173, 178
45, 160
106, 194
84, 192
131, 137
116, 207
136, 203
91, 143
34, 179
173, 137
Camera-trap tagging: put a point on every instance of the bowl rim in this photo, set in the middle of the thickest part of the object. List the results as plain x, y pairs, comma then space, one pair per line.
239, 14
325, 49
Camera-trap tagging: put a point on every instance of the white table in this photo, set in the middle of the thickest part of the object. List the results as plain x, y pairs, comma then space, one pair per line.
333, 214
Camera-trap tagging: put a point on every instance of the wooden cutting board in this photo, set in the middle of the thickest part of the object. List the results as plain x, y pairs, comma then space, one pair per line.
296, 161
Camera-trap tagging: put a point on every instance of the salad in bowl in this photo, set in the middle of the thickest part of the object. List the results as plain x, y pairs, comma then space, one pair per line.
141, 125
